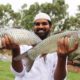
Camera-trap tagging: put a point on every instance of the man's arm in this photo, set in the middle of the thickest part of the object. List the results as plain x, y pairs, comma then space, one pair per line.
16, 64
63, 50
60, 72
8, 44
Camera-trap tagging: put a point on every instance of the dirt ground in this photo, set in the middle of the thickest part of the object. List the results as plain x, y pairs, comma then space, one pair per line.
75, 66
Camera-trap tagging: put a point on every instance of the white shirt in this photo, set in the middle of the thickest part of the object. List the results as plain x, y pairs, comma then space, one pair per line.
41, 70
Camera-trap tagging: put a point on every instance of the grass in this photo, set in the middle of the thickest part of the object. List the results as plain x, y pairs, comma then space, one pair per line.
6, 74
73, 76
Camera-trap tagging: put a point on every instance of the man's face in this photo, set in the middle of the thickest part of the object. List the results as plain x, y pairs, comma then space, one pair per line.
42, 28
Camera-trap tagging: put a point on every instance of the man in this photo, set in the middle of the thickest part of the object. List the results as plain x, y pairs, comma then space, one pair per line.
53, 67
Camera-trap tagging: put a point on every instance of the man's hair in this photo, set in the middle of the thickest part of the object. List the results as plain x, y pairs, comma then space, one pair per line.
50, 23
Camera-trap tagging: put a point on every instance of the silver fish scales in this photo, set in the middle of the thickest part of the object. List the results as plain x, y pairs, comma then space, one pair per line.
49, 45
20, 36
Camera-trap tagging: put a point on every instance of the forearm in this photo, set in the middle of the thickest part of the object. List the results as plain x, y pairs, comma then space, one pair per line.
60, 71
16, 64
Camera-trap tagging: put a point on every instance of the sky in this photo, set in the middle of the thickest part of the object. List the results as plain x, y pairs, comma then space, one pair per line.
73, 6
16, 4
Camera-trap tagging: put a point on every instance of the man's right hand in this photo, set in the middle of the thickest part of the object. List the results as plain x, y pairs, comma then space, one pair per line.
7, 43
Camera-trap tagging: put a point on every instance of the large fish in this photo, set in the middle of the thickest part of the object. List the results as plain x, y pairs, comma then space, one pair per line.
49, 45
20, 36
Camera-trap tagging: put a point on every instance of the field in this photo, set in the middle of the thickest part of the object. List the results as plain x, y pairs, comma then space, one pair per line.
5, 73
73, 76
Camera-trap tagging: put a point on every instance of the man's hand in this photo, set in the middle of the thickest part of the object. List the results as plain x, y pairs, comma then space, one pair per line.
7, 43
63, 48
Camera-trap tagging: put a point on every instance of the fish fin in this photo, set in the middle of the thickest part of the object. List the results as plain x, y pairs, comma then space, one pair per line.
30, 63
21, 56
44, 56
34, 45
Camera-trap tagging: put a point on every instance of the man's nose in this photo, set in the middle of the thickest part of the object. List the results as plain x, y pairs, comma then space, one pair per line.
41, 26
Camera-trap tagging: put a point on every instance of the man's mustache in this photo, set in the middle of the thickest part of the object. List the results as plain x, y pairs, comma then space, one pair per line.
40, 29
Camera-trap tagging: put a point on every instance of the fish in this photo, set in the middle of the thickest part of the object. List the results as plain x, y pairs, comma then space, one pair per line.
20, 36
49, 45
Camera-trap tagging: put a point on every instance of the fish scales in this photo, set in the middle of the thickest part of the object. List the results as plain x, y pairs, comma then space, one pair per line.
20, 36
49, 45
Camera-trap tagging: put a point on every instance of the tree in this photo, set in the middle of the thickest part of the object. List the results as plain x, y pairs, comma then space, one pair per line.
56, 10
4, 14
7, 14
27, 15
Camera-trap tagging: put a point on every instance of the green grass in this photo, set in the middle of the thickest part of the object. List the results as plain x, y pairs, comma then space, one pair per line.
73, 76
6, 74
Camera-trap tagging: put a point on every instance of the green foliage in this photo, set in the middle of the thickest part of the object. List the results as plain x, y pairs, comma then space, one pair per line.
5, 11
73, 76
24, 18
26, 15
46, 7
5, 72
57, 9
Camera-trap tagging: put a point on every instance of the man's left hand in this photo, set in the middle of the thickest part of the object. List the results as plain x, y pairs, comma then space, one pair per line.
63, 48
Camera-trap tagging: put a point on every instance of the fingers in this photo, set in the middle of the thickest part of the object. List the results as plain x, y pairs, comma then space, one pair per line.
75, 43
74, 47
60, 45
66, 44
3, 42
63, 45
6, 42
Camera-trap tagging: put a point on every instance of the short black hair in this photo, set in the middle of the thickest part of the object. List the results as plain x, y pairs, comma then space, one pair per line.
50, 23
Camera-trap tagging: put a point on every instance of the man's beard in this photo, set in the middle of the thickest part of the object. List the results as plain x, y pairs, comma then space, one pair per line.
42, 33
